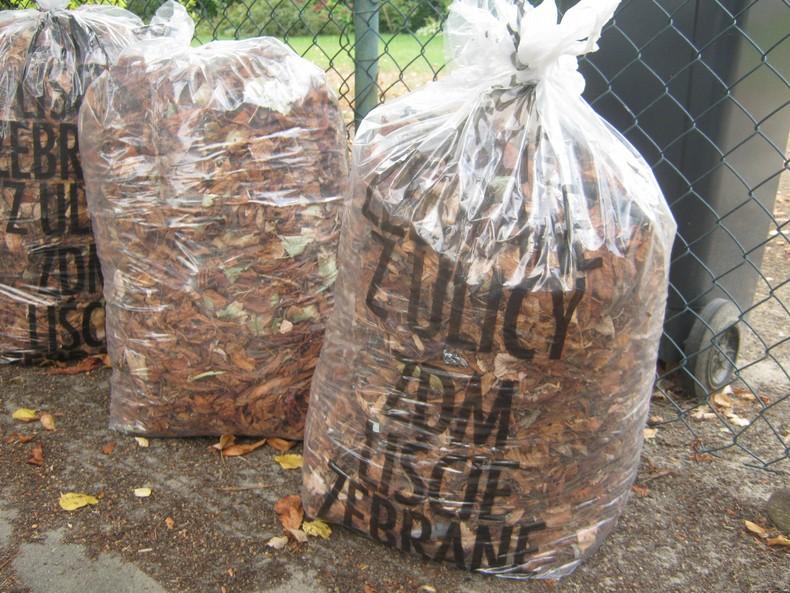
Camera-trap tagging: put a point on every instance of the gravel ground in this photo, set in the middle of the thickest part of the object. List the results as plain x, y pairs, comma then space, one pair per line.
682, 532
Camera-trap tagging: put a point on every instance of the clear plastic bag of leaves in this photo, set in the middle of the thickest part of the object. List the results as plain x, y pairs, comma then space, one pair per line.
487, 371
214, 176
50, 282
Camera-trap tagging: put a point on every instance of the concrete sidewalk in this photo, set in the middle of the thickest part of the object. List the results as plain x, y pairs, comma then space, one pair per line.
686, 534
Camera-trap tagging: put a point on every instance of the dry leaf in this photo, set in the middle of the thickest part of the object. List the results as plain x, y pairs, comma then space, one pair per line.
84, 366
289, 510
225, 441
289, 460
756, 529
47, 421
280, 445
366, 588
278, 542
108, 448
650, 433
36, 455
170, 522
317, 528
779, 540
25, 415
721, 399
737, 420
426, 589
71, 501
298, 535
743, 394
142, 441
142, 492
238, 450
702, 413
17, 437
640, 490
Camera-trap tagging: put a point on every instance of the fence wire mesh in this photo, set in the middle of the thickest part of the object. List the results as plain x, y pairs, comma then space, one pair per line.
700, 87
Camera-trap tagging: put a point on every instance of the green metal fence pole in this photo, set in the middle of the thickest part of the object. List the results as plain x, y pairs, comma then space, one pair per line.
366, 57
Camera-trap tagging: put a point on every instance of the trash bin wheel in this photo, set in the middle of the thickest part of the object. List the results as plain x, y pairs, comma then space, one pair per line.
712, 347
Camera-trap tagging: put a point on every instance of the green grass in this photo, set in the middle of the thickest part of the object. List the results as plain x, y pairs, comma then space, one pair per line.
415, 54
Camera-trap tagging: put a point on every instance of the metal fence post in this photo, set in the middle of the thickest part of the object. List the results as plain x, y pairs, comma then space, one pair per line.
366, 57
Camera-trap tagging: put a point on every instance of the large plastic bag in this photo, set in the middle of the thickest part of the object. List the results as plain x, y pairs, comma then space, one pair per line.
50, 281
214, 178
487, 371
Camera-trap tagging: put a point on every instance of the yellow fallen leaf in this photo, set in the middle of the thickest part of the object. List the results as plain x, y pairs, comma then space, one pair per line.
778, 540
317, 528
278, 542
756, 529
25, 415
142, 441
71, 501
170, 522
289, 460
142, 492
48, 421
650, 433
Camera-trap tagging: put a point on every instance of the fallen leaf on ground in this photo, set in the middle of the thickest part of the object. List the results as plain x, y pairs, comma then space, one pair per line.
19, 438
655, 420
721, 399
108, 448
25, 415
779, 540
743, 394
142, 492
703, 413
289, 460
142, 442
290, 512
47, 421
278, 542
640, 490
317, 528
170, 522
298, 535
426, 589
650, 433
280, 445
36, 455
83, 366
71, 501
238, 450
737, 420
756, 529
368, 589
225, 441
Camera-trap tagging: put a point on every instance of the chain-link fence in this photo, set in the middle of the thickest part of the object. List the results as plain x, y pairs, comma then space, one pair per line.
700, 88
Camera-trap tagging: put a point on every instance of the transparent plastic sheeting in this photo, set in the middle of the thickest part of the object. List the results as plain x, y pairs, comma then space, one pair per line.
214, 178
50, 282
487, 371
